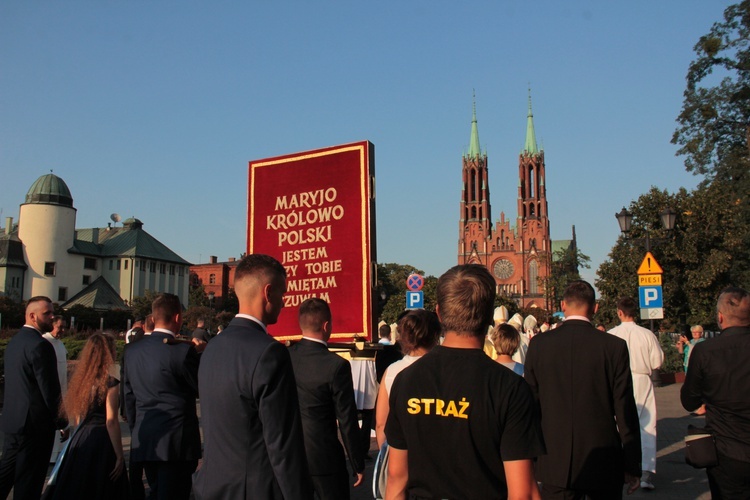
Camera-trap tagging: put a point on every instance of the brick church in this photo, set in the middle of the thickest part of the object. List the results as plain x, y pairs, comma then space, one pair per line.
518, 255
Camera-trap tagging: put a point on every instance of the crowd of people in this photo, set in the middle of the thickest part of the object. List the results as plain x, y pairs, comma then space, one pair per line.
470, 404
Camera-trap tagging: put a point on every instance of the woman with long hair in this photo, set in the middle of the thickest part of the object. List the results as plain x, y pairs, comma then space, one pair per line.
93, 466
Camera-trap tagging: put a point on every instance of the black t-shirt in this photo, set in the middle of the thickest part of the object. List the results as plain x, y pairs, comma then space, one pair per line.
460, 415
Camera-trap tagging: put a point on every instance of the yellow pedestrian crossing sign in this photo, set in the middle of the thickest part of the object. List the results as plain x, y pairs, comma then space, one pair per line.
649, 265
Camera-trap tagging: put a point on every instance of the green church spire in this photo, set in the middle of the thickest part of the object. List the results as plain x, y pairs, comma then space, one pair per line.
474, 151
530, 146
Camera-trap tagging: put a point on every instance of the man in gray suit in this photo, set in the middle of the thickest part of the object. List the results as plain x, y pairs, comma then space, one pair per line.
253, 443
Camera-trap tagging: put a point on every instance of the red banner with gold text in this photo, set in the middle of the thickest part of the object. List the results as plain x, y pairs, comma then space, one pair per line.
314, 212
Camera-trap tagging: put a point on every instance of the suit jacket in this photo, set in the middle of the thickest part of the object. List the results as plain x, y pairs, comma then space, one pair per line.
326, 395
581, 379
161, 383
719, 376
253, 442
32, 386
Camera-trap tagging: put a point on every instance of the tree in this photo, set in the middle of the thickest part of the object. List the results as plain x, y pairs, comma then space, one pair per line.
703, 254
714, 132
714, 136
141, 305
193, 314
11, 313
198, 297
566, 263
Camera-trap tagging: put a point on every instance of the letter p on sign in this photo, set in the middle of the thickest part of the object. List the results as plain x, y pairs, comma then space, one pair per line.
650, 297
415, 300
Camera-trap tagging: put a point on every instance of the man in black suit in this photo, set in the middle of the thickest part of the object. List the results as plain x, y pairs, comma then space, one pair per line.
326, 395
719, 377
581, 379
161, 383
31, 406
253, 441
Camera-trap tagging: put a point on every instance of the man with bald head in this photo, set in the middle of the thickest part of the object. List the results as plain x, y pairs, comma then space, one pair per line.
253, 442
31, 406
719, 377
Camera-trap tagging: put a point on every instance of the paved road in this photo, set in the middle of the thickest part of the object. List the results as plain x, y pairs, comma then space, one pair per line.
675, 480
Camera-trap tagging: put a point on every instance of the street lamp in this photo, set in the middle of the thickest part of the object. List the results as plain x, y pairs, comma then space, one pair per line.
625, 220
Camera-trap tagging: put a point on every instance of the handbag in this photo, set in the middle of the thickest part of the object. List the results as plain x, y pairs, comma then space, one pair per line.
380, 473
700, 448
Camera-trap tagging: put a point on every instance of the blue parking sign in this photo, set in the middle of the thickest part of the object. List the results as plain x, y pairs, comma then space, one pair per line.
650, 297
415, 300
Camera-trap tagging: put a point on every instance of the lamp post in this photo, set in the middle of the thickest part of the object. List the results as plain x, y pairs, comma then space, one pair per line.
211, 296
625, 220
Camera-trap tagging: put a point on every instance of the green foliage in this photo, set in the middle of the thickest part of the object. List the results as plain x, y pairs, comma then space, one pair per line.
12, 313
715, 120
705, 253
141, 305
672, 357
566, 263
510, 304
198, 297
75, 346
86, 318
714, 135
117, 319
193, 314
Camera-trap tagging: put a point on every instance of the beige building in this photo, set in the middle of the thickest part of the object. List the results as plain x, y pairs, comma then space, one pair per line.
104, 268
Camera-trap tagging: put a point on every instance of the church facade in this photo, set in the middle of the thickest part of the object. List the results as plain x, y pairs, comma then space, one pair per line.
518, 253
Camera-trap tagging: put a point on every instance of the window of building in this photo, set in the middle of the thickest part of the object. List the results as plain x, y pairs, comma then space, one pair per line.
162, 269
111, 264
86, 279
211, 279
533, 275
118, 264
181, 270
89, 263
152, 267
171, 269
49, 268
126, 263
62, 294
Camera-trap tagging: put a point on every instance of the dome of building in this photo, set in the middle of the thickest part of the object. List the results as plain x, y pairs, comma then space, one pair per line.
50, 189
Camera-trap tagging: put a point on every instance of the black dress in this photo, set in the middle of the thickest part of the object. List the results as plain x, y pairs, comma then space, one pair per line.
88, 461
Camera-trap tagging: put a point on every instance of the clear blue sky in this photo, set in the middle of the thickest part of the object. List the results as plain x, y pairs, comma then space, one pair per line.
154, 108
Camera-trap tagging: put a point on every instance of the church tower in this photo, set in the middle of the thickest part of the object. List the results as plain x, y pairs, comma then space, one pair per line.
519, 256
475, 221
533, 221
